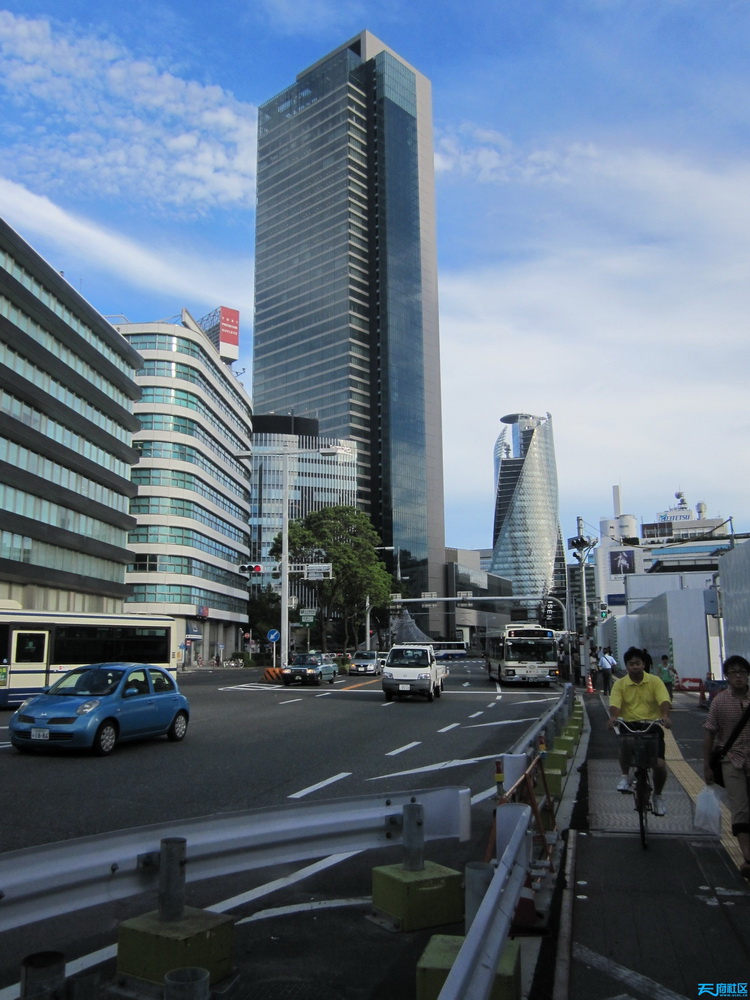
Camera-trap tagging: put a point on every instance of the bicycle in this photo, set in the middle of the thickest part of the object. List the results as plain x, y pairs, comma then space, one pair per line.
643, 746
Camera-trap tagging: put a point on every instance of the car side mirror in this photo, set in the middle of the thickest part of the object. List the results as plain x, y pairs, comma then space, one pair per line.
129, 692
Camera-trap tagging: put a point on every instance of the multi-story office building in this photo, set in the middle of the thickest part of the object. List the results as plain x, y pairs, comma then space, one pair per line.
66, 397
346, 319
527, 545
315, 480
193, 496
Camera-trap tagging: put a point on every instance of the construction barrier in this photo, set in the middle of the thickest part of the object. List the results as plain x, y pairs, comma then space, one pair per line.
690, 684
272, 675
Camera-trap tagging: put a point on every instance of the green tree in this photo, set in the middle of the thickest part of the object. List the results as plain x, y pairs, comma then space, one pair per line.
344, 537
264, 613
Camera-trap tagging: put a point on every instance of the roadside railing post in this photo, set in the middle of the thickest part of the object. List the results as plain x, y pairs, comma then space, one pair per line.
172, 878
413, 837
43, 975
478, 875
187, 984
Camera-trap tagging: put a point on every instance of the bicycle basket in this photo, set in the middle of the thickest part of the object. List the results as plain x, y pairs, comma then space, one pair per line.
643, 748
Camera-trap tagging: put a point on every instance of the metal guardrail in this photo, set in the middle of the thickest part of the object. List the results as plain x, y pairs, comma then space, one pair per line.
41, 882
472, 975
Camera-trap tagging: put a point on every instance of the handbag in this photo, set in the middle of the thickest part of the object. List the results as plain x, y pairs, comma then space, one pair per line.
719, 753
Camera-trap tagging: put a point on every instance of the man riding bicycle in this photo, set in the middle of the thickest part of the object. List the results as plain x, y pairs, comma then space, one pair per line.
640, 697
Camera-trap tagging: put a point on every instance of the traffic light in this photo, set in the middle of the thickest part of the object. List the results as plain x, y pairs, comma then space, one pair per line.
250, 568
603, 611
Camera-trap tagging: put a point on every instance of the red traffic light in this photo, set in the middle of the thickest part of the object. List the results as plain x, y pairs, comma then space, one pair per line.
245, 568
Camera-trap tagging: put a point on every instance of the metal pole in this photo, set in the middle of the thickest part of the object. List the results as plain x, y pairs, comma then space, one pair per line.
284, 559
172, 878
367, 622
583, 650
413, 837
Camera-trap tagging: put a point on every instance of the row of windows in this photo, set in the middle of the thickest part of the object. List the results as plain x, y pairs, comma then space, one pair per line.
61, 351
62, 435
185, 481
175, 507
182, 425
22, 549
164, 594
159, 534
21, 458
183, 345
46, 512
186, 566
174, 370
61, 393
167, 396
74, 322
186, 453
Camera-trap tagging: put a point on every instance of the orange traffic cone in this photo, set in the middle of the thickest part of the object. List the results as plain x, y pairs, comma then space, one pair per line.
589, 684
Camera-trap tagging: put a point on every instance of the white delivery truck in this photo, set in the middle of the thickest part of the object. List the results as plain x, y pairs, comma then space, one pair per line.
413, 669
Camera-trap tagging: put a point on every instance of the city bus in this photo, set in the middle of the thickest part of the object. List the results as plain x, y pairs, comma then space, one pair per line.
528, 655
37, 645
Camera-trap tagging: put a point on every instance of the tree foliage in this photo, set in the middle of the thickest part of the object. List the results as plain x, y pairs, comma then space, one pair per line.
344, 537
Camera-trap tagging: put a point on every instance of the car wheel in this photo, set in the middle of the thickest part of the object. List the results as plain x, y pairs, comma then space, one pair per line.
389, 696
319, 680
431, 694
178, 730
439, 690
287, 684
332, 678
105, 739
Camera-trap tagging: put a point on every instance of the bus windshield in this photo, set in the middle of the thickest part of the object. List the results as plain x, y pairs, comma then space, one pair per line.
530, 651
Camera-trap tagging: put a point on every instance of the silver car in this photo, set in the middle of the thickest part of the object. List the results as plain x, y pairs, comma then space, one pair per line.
367, 661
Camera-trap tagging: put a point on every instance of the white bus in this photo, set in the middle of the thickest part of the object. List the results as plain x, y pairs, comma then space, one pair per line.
36, 645
528, 655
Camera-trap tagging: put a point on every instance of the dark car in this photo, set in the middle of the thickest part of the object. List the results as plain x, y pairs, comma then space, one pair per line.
101, 705
310, 668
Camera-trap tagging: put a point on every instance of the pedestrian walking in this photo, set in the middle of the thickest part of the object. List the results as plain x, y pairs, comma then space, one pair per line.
607, 662
668, 674
728, 726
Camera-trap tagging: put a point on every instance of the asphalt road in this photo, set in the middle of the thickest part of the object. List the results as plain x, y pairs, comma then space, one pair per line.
252, 744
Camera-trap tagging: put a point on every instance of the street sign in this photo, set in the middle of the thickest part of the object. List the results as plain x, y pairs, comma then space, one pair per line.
462, 595
395, 597
273, 635
318, 571
429, 593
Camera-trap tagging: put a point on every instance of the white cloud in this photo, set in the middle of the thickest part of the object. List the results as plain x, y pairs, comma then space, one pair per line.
174, 274
81, 114
628, 322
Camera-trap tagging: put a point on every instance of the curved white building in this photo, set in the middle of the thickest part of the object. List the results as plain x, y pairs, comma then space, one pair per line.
526, 535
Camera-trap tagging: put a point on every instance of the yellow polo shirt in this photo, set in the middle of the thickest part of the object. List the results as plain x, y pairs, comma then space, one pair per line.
638, 702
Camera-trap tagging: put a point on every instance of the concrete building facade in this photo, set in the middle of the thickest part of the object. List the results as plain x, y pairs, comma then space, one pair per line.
67, 392
193, 501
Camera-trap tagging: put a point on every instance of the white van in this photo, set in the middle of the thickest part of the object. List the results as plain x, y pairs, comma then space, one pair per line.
413, 669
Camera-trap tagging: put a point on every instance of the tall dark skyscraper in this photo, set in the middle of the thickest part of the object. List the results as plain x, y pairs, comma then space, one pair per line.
346, 314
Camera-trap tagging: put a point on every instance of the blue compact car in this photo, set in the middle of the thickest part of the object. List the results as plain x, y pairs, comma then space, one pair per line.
100, 705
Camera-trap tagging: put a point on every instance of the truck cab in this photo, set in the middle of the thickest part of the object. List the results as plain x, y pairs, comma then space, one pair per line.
413, 669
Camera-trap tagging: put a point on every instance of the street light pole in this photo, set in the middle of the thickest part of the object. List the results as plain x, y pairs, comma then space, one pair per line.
284, 558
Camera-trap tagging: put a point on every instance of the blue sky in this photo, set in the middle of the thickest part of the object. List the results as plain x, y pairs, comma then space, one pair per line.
593, 200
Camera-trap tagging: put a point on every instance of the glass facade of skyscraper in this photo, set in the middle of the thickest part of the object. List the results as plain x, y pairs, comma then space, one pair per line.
526, 534
346, 294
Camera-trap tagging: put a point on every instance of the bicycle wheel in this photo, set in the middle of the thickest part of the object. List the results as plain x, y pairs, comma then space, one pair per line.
642, 795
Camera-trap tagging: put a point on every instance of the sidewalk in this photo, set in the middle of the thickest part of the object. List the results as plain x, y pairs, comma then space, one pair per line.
665, 923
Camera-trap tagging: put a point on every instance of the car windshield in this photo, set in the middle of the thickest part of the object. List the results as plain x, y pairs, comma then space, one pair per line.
87, 681
306, 661
367, 654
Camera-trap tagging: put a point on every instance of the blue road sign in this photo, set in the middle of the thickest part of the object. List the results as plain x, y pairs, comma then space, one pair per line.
273, 635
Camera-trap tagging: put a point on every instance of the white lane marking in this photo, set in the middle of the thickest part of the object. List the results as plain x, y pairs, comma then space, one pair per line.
283, 883
504, 722
445, 729
324, 694
476, 715
466, 684
320, 904
406, 746
637, 982
320, 784
289, 701
435, 767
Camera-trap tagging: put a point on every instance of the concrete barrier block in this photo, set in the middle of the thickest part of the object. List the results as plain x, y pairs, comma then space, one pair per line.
565, 744
556, 760
148, 948
440, 954
555, 780
414, 900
